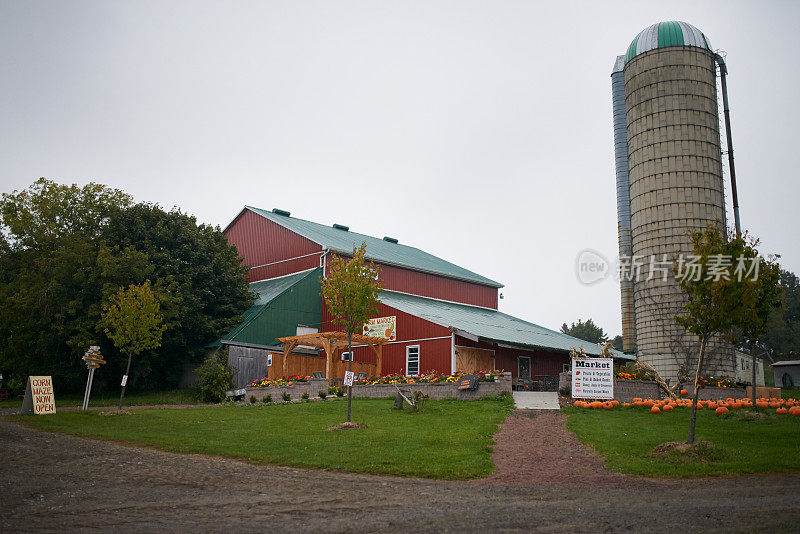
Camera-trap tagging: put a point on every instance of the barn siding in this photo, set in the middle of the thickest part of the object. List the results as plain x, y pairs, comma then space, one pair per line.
438, 287
260, 241
543, 362
430, 285
435, 354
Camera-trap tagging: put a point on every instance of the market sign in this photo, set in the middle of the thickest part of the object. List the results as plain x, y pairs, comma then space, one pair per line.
593, 378
382, 327
39, 397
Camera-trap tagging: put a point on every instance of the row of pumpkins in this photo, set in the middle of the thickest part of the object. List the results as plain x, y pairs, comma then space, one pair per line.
720, 407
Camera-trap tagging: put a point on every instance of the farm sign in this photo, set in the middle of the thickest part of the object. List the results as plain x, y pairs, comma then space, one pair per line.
39, 397
382, 327
593, 378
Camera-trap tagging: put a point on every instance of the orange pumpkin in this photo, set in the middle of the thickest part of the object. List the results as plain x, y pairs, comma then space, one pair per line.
684, 392
794, 410
668, 408
781, 411
655, 409
721, 410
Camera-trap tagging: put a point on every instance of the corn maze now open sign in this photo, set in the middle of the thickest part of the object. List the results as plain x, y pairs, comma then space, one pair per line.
593, 378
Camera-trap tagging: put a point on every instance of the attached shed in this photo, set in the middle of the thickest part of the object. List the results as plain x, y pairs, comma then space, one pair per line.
787, 374
285, 306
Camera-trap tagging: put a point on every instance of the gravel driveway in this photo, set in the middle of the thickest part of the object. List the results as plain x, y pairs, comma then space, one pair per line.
546, 481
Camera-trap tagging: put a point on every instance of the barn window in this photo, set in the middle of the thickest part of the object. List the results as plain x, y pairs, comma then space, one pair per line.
412, 360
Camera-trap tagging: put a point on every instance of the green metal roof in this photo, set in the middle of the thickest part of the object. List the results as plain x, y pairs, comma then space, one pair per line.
488, 325
664, 34
379, 250
302, 308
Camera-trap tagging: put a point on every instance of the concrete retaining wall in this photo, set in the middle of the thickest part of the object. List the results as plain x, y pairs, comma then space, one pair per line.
296, 390
715, 393
624, 390
381, 391
627, 390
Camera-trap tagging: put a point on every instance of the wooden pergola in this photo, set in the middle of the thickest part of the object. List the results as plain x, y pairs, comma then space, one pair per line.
332, 342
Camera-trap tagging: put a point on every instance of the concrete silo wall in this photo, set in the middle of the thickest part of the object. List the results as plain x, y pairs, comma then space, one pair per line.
676, 187
623, 200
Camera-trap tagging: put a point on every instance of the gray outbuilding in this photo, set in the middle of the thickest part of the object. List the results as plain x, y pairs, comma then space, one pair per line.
787, 373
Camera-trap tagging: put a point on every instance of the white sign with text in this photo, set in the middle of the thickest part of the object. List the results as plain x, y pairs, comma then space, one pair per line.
348, 378
593, 378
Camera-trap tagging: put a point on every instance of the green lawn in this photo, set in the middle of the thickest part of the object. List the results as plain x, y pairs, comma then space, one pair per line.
146, 398
447, 439
626, 438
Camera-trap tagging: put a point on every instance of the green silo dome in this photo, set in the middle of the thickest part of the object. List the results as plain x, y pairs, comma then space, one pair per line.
663, 34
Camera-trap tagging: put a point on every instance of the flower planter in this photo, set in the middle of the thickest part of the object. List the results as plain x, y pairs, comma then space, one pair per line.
435, 391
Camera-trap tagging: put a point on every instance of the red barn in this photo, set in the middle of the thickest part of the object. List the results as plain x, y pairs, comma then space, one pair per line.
443, 317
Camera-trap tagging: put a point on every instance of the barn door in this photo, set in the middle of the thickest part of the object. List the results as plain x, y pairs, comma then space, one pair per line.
248, 364
470, 360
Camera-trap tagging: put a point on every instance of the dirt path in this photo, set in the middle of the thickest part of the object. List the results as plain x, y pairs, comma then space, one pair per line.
534, 447
51, 482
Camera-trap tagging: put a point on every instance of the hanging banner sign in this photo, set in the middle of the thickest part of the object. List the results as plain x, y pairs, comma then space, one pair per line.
593, 378
382, 327
39, 397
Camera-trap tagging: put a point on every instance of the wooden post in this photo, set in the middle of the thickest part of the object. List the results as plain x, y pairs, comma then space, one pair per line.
287, 349
379, 361
328, 359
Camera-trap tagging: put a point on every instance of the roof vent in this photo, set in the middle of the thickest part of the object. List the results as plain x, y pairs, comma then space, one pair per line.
390, 239
341, 227
277, 211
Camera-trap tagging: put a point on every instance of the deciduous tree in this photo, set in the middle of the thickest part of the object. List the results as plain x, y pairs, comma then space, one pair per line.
351, 293
719, 298
131, 319
587, 331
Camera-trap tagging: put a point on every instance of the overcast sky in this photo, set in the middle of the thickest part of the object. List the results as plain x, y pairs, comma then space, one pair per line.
478, 131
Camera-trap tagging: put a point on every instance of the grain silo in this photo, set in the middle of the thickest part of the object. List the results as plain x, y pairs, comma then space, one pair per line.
669, 183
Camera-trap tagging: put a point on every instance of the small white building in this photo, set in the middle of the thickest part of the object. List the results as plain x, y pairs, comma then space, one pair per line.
744, 369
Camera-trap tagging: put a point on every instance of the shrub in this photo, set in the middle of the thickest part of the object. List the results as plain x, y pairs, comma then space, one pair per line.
268, 398
333, 390
253, 399
566, 391
322, 394
304, 396
287, 397
340, 392
215, 377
